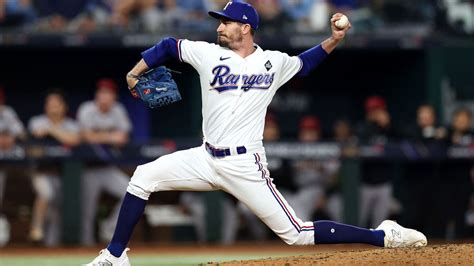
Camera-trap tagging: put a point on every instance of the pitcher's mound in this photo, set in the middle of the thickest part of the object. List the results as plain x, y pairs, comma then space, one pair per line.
431, 255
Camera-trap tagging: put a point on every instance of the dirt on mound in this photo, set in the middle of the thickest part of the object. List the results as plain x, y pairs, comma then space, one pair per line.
430, 255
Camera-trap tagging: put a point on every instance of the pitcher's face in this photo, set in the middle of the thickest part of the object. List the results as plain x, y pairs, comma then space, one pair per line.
229, 33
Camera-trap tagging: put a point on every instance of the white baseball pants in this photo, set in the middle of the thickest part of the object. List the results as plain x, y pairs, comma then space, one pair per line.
245, 176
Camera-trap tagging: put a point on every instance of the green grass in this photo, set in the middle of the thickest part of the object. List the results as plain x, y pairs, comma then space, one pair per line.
137, 260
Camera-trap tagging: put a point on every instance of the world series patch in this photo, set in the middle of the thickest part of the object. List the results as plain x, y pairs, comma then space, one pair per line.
268, 65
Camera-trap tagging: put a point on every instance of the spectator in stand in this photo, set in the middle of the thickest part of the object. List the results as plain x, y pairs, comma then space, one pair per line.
96, 15
56, 128
11, 131
178, 14
299, 11
455, 175
55, 15
104, 123
137, 15
16, 13
272, 16
377, 175
195, 14
155, 15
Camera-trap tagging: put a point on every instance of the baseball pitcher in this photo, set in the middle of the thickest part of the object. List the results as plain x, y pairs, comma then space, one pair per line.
238, 80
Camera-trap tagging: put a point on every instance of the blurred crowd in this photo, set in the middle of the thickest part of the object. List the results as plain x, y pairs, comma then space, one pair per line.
87, 16
311, 186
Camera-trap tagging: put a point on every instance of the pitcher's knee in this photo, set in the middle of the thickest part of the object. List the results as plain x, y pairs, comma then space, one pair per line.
140, 184
147, 177
298, 238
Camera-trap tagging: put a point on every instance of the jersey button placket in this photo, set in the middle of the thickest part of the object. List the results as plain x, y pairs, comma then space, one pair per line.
243, 70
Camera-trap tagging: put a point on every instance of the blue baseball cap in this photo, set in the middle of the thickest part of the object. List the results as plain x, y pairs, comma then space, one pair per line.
238, 11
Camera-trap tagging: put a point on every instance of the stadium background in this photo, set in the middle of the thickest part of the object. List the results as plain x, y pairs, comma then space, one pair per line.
424, 56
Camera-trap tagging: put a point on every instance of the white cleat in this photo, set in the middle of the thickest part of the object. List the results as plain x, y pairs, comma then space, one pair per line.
107, 259
397, 236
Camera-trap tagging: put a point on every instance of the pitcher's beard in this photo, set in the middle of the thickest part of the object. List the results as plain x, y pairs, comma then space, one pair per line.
229, 42
222, 42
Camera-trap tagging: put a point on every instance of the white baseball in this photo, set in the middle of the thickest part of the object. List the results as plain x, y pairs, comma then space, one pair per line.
342, 22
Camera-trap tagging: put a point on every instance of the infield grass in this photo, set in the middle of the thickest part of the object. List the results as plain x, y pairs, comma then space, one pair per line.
136, 260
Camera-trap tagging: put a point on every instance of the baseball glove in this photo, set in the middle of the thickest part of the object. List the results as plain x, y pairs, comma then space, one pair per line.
157, 88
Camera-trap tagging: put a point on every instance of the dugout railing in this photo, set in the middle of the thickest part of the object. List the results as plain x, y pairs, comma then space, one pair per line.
434, 182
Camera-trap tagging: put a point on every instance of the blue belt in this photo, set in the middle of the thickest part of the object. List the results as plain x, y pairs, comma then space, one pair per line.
223, 152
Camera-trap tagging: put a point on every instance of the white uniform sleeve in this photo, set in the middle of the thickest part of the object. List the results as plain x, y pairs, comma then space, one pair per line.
193, 52
290, 66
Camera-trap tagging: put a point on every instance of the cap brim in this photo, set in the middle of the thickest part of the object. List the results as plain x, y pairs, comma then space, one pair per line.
220, 15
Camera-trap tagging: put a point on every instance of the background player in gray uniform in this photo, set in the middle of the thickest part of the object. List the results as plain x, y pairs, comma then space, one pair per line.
377, 176
11, 130
53, 127
311, 176
9, 117
195, 203
103, 121
238, 81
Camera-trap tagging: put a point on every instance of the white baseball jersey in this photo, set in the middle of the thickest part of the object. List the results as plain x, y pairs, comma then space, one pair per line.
236, 91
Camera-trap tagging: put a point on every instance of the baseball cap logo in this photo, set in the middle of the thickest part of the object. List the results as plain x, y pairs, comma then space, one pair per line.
238, 11
228, 4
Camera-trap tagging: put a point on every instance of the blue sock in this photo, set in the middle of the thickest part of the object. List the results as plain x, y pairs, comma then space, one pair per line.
130, 212
329, 232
